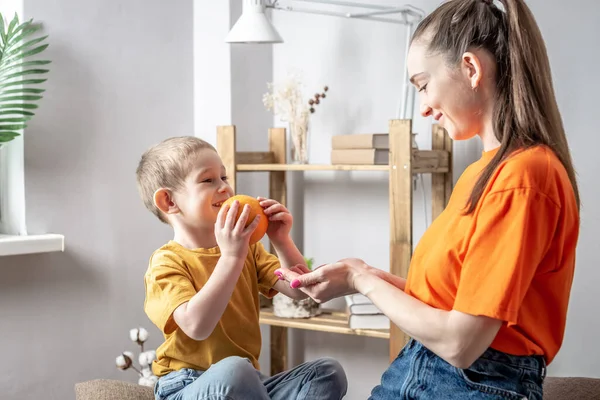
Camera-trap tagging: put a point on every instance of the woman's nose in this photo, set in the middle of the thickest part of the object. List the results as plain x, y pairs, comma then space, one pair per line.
425, 109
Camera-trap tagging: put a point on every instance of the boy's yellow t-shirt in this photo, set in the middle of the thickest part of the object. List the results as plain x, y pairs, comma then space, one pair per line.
175, 275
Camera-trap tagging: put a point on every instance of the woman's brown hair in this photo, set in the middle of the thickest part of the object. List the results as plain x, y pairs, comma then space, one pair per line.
526, 113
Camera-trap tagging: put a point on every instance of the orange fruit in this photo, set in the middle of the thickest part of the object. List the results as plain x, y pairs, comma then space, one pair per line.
255, 209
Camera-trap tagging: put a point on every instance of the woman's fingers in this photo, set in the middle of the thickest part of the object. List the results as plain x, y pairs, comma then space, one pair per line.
285, 274
297, 270
305, 280
303, 268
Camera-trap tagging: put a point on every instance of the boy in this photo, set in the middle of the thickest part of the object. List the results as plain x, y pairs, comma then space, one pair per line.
202, 287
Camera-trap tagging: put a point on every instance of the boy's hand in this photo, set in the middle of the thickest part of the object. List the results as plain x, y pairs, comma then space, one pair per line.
280, 220
233, 237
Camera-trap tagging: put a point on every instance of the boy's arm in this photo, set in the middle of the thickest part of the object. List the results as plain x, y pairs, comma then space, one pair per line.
289, 256
198, 317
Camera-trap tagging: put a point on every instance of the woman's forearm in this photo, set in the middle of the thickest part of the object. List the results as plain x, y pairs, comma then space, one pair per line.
395, 280
456, 337
426, 324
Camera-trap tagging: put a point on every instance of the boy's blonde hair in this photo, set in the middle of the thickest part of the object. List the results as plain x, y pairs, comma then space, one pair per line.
166, 165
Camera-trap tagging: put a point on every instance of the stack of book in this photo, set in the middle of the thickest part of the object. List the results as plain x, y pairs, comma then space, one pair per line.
364, 314
361, 148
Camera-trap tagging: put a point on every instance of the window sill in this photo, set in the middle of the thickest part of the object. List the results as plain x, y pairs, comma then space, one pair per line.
16, 245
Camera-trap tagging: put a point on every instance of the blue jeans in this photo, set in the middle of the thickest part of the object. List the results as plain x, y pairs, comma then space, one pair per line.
234, 378
418, 373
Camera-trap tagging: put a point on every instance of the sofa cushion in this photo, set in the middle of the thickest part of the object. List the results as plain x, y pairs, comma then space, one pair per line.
108, 389
556, 388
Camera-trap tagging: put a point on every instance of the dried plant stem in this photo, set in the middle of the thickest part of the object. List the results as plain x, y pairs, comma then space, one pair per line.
136, 370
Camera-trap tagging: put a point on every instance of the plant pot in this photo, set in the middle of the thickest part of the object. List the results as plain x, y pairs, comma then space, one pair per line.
285, 307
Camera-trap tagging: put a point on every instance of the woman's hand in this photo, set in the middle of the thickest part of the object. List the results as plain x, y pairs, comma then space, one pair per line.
327, 281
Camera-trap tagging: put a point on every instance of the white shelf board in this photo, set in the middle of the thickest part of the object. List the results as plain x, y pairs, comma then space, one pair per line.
11, 245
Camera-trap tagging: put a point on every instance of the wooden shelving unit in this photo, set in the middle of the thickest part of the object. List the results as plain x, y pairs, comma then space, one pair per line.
328, 321
404, 162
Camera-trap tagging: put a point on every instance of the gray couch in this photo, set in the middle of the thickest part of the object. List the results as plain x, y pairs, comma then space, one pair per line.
102, 389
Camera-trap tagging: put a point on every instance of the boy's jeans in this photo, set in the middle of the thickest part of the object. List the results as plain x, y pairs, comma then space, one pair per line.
234, 378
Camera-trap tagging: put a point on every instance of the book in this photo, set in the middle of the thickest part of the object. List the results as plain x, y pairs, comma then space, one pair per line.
360, 156
362, 307
361, 141
373, 321
358, 298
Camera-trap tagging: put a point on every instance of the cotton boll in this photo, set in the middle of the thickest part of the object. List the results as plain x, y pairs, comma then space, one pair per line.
151, 355
138, 335
120, 361
142, 335
147, 378
143, 359
124, 361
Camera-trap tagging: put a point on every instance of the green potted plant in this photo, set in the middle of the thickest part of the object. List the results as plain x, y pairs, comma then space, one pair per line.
19, 75
285, 307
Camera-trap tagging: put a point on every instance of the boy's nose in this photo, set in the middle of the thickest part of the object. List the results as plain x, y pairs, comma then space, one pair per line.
223, 187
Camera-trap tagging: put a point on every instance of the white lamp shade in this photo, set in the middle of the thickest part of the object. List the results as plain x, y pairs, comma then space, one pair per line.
253, 26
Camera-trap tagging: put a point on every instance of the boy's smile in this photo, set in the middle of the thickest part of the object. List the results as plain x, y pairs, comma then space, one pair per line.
218, 204
204, 191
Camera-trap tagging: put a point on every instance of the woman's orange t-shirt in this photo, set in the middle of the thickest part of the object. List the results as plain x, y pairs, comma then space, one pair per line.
511, 259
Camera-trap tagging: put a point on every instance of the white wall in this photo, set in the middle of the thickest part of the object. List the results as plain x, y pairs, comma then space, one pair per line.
121, 79
362, 63
571, 34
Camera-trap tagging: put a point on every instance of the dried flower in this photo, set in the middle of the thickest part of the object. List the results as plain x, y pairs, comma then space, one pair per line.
286, 101
326, 88
285, 98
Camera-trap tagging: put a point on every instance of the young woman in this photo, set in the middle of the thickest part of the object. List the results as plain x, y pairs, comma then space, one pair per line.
485, 301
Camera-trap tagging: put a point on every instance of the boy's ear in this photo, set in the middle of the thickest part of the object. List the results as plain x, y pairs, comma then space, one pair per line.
163, 200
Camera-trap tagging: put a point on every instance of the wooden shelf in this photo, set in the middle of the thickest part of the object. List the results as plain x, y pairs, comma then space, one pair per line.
404, 162
310, 167
328, 321
421, 162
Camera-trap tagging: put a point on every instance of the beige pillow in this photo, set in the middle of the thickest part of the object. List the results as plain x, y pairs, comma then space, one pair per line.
107, 389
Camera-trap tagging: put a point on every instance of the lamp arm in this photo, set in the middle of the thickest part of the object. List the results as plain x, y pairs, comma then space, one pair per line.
410, 14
